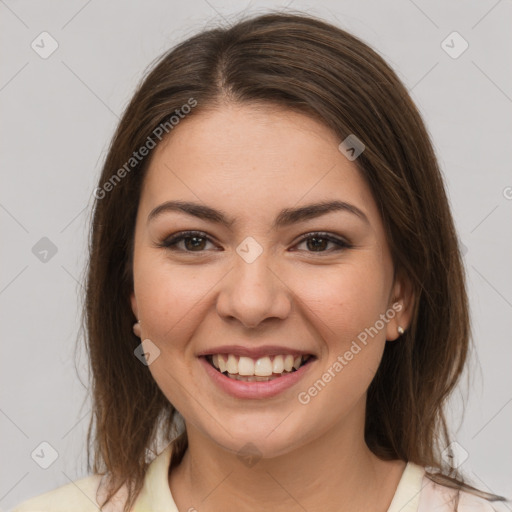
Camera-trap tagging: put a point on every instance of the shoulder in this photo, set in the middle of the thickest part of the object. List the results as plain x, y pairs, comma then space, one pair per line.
87, 494
78, 496
440, 498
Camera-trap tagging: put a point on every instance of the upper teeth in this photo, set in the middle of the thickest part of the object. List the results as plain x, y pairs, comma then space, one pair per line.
263, 367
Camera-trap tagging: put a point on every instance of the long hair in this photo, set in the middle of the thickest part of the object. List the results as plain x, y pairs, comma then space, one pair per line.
301, 63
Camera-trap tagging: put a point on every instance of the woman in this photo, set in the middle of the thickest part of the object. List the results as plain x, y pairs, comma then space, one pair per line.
276, 303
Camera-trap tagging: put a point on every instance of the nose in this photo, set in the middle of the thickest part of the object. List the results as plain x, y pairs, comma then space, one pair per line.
254, 292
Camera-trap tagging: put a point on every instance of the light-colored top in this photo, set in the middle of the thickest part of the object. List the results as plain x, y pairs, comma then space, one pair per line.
414, 493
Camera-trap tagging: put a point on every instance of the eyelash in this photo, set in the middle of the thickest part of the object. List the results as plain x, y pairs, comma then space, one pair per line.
171, 242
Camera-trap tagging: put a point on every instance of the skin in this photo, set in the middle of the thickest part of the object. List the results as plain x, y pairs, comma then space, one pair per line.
250, 162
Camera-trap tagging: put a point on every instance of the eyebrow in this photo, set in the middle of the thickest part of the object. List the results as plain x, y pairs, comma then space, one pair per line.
286, 217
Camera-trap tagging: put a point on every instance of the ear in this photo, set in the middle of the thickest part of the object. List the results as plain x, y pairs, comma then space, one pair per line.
135, 309
402, 301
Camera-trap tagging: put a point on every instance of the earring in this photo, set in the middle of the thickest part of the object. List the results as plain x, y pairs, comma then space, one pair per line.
400, 330
136, 329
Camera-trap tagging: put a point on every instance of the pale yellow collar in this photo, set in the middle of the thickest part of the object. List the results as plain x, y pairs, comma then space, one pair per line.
407, 494
155, 495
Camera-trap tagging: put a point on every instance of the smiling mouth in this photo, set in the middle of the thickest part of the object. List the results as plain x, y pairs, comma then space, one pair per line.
264, 369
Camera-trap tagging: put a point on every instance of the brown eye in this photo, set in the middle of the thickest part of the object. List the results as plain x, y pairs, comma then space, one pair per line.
318, 242
193, 241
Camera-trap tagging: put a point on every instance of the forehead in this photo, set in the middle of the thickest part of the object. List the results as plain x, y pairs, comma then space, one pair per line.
252, 158
241, 136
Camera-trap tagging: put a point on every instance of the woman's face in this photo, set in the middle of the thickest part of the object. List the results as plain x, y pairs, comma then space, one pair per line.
246, 284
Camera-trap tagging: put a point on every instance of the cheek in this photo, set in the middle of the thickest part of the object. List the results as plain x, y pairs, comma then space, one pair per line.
346, 300
346, 309
169, 301
169, 298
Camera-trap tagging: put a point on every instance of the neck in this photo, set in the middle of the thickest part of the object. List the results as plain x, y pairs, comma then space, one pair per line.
333, 472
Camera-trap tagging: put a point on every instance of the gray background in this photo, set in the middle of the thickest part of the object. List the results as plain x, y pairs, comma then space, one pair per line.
59, 113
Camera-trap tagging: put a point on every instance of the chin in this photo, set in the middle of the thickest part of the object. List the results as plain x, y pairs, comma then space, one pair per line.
259, 442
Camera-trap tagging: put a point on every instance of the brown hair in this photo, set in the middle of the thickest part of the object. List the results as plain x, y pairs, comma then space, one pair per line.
305, 64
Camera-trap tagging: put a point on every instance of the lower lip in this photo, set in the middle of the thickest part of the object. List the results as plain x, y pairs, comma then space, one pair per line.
241, 389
